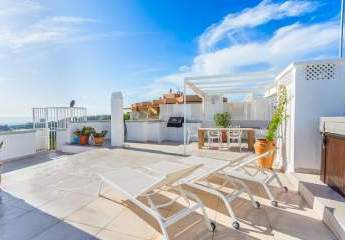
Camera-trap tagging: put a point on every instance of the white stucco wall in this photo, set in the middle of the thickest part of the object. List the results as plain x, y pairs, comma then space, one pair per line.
97, 125
315, 99
156, 131
17, 144
310, 100
193, 111
62, 137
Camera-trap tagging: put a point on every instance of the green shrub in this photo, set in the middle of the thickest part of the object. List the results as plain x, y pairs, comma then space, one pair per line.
222, 120
87, 131
279, 115
100, 134
126, 116
77, 132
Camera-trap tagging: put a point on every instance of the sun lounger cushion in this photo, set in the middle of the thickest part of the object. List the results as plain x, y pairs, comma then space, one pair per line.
131, 182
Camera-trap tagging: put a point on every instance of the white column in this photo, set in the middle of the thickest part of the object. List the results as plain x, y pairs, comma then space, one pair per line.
117, 125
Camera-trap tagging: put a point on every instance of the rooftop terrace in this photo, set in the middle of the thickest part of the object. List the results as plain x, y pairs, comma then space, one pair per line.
52, 196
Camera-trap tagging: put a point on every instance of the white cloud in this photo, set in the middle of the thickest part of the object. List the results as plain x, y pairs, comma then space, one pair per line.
251, 17
290, 43
24, 23
287, 44
44, 31
9, 8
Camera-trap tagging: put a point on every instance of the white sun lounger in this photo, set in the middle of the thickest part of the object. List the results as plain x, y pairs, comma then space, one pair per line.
247, 169
213, 167
134, 183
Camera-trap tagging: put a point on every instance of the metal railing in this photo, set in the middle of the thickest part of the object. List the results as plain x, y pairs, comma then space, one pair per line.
53, 118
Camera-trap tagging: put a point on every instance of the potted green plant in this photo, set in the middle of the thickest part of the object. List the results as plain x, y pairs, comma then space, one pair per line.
223, 120
76, 136
85, 134
99, 137
269, 142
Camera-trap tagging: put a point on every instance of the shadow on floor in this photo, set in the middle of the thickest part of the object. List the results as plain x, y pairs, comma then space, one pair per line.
138, 149
36, 159
191, 227
20, 221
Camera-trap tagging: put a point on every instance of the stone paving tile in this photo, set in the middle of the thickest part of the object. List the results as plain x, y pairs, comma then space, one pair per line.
131, 224
111, 235
67, 204
66, 231
26, 226
44, 196
98, 213
18, 203
296, 225
66, 188
8, 212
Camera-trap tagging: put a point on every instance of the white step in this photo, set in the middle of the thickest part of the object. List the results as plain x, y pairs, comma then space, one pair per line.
328, 204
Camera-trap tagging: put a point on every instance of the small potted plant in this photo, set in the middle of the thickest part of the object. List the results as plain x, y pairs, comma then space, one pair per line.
223, 120
269, 142
76, 136
99, 137
85, 134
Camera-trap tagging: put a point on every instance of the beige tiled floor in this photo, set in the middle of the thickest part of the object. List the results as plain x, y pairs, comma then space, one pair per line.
57, 199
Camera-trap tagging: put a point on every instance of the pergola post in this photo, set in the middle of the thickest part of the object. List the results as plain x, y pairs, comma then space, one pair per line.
219, 85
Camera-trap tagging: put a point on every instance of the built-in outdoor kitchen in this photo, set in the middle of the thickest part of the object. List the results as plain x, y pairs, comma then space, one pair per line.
162, 119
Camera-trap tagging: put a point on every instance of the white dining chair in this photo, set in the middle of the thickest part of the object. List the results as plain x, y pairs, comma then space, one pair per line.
235, 135
192, 133
213, 135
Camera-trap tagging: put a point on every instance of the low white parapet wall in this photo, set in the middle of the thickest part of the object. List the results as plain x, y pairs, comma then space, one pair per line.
21, 143
64, 136
99, 126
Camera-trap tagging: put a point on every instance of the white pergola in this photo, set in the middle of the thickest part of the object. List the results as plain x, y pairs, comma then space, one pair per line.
230, 84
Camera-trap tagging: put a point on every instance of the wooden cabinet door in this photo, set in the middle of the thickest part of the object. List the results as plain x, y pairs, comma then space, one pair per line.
335, 163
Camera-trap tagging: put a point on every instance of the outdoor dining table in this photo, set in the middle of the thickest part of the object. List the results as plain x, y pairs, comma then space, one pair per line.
250, 134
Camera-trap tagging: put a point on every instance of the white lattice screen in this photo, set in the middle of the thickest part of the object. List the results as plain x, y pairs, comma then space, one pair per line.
324, 71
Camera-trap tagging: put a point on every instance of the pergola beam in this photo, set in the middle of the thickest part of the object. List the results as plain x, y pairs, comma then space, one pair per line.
229, 91
225, 84
195, 89
233, 81
252, 75
238, 85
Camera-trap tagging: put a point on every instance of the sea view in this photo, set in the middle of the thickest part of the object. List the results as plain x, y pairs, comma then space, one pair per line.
15, 123
10, 121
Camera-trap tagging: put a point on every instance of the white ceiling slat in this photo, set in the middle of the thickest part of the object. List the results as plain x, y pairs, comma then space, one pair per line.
227, 86
240, 81
255, 82
230, 77
195, 89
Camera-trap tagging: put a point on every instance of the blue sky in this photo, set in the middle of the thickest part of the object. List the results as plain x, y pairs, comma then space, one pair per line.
55, 51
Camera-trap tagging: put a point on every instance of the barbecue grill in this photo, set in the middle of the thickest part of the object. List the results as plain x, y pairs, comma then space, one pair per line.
175, 122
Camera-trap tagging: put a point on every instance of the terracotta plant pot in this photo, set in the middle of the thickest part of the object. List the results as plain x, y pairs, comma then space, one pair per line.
99, 140
224, 136
261, 146
84, 139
